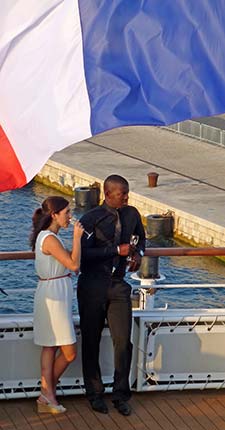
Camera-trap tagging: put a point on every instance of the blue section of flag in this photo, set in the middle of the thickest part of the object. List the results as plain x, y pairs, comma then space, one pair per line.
153, 62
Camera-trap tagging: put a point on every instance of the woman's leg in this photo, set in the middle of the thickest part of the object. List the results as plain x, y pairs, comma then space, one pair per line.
66, 355
52, 367
47, 372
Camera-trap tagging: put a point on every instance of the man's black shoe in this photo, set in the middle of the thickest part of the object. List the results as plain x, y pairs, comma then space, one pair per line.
122, 407
99, 405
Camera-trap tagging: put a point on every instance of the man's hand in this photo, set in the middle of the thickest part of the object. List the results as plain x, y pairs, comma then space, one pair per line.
124, 249
135, 263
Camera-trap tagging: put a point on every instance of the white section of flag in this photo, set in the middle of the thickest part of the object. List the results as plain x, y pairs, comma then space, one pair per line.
44, 104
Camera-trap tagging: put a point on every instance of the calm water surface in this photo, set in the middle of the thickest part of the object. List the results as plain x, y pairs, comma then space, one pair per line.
16, 209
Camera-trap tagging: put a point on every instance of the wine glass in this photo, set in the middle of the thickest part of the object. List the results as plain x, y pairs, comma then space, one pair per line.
73, 219
134, 238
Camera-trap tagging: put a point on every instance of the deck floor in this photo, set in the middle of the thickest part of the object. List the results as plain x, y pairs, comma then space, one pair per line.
195, 410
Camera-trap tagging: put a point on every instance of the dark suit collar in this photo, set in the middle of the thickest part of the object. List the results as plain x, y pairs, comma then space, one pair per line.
109, 208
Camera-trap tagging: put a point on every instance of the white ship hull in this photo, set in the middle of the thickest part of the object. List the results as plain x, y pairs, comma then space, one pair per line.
172, 350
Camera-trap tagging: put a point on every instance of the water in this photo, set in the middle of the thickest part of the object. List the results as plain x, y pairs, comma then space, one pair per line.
16, 209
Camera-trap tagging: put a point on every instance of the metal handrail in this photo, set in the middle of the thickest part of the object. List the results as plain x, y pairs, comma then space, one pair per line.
181, 252
17, 255
149, 252
201, 131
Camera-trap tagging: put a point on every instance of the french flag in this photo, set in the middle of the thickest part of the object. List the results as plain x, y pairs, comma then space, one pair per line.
70, 69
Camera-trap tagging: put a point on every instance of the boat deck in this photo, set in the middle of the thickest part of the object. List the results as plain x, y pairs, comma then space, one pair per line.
195, 410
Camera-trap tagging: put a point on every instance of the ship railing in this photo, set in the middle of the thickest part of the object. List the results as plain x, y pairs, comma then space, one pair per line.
173, 349
149, 252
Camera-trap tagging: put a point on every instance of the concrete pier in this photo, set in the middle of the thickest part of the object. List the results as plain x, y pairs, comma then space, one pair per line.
191, 182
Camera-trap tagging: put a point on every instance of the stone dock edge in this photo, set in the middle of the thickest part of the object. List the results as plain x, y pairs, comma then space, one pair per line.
189, 229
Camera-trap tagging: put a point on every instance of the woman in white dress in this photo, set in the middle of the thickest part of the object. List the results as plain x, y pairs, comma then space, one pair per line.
53, 324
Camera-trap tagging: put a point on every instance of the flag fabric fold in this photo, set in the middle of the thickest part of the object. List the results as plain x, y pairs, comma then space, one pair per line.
70, 69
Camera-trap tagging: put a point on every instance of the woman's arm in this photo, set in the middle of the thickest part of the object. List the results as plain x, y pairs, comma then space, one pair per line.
71, 260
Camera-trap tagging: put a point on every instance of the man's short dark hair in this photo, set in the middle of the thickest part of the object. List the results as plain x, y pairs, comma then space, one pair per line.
115, 179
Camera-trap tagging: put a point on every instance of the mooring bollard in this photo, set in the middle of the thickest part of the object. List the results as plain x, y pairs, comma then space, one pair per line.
87, 197
152, 179
149, 268
160, 226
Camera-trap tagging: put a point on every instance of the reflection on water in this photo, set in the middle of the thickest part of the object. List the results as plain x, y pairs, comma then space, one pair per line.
16, 209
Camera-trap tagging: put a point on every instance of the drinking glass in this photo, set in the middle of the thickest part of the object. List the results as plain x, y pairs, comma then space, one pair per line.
134, 238
73, 219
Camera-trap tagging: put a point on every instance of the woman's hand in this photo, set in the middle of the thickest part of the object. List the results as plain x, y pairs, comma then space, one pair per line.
78, 229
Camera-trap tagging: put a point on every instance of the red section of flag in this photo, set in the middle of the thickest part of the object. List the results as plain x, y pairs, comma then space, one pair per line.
11, 173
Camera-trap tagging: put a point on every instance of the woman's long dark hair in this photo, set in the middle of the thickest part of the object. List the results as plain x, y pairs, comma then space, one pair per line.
42, 217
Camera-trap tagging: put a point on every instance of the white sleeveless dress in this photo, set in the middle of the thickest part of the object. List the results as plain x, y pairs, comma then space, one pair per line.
53, 324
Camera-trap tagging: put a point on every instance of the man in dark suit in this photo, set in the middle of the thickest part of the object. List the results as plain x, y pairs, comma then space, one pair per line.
104, 294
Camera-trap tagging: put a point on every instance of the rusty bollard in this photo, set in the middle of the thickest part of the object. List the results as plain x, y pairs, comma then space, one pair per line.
152, 179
